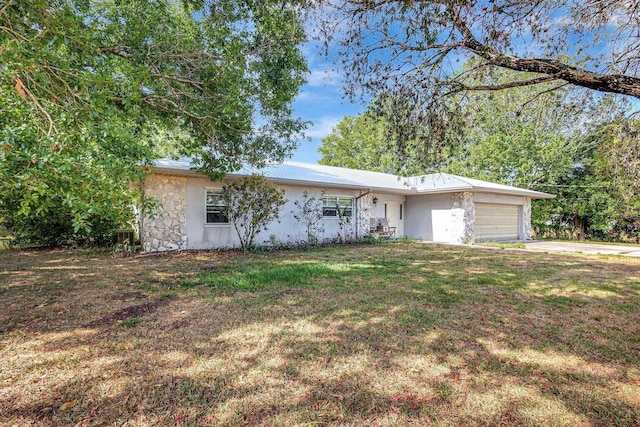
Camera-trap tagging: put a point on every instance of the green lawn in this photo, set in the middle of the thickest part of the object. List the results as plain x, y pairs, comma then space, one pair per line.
393, 334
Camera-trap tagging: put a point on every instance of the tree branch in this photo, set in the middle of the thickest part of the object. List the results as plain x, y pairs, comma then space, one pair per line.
509, 85
190, 82
120, 51
24, 90
551, 89
612, 83
5, 7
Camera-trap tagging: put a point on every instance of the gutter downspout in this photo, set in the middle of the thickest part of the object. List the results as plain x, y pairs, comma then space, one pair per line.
358, 210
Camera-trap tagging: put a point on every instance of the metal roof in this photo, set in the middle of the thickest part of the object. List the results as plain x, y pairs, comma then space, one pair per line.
312, 174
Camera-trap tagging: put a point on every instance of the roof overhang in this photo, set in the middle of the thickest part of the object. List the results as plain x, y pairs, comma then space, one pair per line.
506, 192
513, 191
176, 172
297, 182
509, 191
282, 181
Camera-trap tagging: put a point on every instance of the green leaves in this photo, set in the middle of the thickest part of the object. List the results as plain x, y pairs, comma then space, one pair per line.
542, 140
252, 203
220, 67
90, 91
619, 145
72, 194
359, 142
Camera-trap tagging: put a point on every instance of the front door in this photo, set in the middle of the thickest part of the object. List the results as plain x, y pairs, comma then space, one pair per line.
395, 215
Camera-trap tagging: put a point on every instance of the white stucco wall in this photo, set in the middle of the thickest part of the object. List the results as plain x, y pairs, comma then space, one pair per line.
206, 236
180, 222
420, 213
450, 217
365, 209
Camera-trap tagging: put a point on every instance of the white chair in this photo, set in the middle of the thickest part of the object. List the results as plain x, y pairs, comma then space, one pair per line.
373, 225
387, 230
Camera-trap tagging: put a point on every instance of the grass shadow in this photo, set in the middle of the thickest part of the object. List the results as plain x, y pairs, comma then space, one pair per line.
396, 334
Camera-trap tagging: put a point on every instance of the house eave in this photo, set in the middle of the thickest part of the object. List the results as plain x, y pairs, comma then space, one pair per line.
176, 172
514, 191
283, 181
301, 182
506, 191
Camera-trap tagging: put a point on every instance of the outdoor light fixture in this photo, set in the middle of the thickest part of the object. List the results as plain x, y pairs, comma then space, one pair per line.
375, 200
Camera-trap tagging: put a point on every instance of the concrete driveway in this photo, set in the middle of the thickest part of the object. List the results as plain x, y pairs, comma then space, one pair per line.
585, 248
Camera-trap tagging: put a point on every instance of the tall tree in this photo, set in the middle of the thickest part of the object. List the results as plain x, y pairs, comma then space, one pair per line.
513, 136
547, 142
219, 67
377, 140
413, 50
84, 86
524, 136
619, 144
589, 202
359, 142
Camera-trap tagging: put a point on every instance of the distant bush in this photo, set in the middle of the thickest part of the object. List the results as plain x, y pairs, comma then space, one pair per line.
58, 230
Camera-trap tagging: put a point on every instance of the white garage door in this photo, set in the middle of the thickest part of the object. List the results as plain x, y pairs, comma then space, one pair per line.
497, 222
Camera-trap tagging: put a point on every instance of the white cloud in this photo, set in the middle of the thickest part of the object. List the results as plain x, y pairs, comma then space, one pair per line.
314, 96
323, 77
323, 126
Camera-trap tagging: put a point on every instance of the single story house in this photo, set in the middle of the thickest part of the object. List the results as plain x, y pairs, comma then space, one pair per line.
437, 207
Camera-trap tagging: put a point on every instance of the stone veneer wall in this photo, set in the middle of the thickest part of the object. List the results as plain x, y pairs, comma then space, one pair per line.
464, 201
167, 229
526, 219
364, 214
469, 217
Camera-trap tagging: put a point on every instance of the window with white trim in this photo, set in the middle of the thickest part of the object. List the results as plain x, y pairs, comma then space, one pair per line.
215, 208
331, 204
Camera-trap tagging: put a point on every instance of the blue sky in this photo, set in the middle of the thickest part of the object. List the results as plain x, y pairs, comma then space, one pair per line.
321, 102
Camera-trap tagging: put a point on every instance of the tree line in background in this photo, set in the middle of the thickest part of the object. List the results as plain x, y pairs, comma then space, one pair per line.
567, 142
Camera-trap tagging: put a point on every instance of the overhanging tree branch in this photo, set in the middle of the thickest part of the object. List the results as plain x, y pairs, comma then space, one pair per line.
612, 83
392, 43
459, 86
23, 91
537, 95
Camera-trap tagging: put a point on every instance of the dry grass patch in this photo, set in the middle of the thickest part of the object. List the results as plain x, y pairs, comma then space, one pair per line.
398, 334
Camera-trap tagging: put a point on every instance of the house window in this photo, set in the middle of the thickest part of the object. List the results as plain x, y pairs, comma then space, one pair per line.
385, 210
216, 206
330, 206
401, 210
